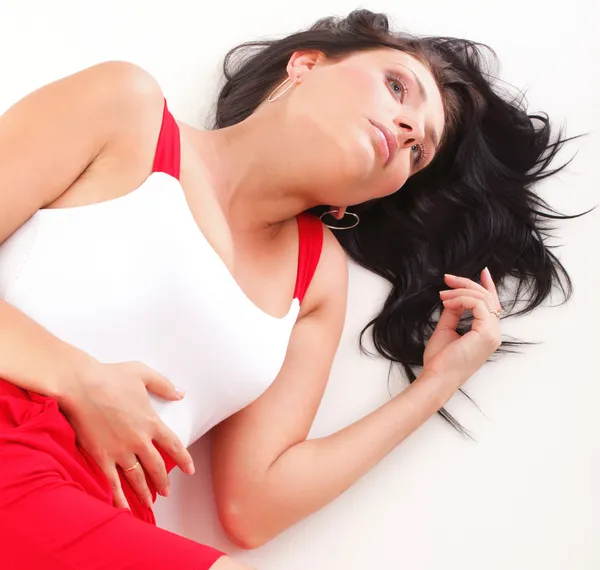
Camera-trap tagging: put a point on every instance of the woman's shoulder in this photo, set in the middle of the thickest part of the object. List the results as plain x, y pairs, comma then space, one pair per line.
129, 102
329, 286
111, 99
69, 127
122, 89
108, 116
122, 79
333, 253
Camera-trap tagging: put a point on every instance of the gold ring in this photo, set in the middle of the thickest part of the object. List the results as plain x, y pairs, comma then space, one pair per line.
131, 468
498, 313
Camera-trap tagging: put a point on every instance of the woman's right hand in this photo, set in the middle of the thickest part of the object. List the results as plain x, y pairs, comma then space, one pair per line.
109, 409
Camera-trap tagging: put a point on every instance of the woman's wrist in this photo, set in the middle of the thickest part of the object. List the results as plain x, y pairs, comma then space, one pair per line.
435, 388
74, 370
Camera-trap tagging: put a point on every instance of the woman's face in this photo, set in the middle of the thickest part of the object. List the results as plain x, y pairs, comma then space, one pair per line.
362, 125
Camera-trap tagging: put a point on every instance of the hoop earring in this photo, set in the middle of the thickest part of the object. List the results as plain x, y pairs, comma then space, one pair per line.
271, 98
355, 216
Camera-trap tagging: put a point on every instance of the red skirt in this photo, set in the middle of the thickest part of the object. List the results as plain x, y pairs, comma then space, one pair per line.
56, 507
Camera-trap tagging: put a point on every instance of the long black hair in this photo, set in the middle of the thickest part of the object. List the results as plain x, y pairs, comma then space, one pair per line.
473, 207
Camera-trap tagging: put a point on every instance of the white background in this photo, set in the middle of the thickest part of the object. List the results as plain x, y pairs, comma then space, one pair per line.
526, 495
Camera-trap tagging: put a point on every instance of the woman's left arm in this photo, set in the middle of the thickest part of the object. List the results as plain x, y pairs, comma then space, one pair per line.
266, 475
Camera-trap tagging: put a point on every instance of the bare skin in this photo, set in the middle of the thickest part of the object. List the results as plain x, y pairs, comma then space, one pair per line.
244, 186
226, 563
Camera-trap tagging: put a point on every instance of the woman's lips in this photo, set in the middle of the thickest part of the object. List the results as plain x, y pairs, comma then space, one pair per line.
387, 143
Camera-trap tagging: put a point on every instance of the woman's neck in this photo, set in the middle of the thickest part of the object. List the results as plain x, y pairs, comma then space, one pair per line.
249, 166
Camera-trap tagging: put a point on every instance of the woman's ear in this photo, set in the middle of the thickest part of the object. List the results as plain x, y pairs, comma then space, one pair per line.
340, 213
302, 62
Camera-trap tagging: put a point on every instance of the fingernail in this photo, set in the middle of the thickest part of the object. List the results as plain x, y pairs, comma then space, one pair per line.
148, 502
449, 275
179, 392
165, 492
190, 469
488, 272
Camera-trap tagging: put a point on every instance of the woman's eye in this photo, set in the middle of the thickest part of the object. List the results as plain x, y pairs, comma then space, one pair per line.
397, 86
419, 152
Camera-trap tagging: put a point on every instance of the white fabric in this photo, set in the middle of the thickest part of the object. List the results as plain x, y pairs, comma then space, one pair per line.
134, 279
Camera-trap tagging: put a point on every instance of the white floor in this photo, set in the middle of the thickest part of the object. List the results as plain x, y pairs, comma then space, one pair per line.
526, 496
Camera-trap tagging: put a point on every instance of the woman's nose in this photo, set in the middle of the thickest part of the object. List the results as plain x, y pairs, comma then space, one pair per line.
410, 130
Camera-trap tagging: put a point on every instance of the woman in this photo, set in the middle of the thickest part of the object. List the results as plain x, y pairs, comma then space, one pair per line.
141, 254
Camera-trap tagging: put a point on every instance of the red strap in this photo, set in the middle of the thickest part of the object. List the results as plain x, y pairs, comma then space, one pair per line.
168, 149
310, 236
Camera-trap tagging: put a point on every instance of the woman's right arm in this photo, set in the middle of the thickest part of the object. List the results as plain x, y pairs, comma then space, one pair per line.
47, 141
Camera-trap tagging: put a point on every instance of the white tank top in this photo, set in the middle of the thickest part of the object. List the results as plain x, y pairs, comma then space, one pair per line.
133, 278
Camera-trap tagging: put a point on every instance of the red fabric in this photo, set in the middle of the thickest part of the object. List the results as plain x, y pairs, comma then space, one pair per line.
56, 507
168, 150
310, 235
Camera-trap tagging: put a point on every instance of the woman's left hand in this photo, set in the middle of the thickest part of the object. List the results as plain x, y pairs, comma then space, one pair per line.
457, 357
